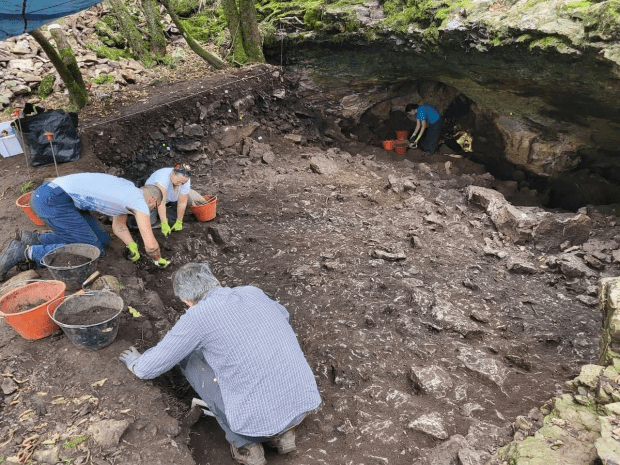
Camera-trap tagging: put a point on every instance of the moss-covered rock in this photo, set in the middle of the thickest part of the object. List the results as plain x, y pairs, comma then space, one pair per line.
46, 87
609, 304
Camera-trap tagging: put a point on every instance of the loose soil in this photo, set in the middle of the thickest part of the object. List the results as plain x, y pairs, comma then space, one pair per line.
29, 306
88, 316
313, 242
69, 260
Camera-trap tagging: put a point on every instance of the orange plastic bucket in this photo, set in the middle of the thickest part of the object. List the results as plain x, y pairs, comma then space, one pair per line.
33, 323
400, 147
24, 203
401, 135
388, 144
206, 211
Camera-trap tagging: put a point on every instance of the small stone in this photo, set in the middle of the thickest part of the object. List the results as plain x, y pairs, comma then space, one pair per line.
269, 157
388, 256
9, 386
593, 262
107, 433
431, 424
193, 130
297, 138
522, 423
517, 265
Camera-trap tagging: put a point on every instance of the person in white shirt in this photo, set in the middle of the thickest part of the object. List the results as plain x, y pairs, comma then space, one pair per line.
66, 205
175, 184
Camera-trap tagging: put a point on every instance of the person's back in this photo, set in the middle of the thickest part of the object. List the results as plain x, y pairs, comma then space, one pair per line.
263, 375
103, 193
428, 112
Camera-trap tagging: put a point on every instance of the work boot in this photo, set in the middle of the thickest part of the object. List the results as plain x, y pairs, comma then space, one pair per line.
13, 254
28, 237
285, 442
250, 454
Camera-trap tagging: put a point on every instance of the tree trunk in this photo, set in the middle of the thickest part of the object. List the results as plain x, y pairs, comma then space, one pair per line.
249, 27
77, 93
66, 53
236, 31
131, 33
211, 58
156, 30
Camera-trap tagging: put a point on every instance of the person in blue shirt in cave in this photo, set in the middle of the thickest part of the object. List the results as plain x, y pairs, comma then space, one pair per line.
428, 119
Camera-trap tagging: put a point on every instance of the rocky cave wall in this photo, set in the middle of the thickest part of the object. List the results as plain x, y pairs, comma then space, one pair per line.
545, 82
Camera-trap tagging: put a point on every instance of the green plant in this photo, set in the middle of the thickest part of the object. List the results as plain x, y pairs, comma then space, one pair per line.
103, 79
26, 187
110, 53
76, 441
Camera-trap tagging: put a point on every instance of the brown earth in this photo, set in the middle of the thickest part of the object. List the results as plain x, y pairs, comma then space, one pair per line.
380, 282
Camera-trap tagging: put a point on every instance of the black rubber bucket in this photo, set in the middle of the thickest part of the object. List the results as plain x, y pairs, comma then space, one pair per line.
94, 336
73, 276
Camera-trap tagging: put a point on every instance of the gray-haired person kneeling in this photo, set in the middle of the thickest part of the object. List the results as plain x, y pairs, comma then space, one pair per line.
237, 349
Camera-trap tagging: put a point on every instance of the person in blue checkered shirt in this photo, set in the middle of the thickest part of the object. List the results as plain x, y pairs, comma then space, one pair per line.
238, 351
428, 119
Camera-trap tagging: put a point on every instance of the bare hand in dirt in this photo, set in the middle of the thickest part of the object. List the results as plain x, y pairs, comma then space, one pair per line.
129, 357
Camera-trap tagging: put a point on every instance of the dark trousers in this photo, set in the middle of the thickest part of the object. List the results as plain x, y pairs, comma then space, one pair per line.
68, 224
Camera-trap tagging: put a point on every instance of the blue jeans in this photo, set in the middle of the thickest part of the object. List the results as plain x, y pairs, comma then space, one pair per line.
202, 378
68, 224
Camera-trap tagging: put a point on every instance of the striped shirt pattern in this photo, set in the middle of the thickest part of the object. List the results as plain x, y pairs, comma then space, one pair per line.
103, 193
245, 336
428, 112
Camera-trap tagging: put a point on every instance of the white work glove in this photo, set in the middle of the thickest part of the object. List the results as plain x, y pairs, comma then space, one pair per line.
129, 357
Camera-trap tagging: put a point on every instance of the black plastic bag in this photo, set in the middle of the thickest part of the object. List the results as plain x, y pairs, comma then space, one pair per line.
67, 143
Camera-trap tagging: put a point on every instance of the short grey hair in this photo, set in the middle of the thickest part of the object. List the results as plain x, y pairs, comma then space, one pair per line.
153, 191
192, 281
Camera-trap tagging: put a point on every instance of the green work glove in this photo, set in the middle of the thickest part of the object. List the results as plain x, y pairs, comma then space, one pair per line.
177, 226
161, 263
134, 255
165, 228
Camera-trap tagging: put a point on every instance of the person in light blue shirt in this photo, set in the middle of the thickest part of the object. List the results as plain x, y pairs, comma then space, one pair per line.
175, 184
237, 349
66, 204
427, 117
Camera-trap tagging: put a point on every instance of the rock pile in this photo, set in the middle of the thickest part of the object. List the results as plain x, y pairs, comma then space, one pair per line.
23, 64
